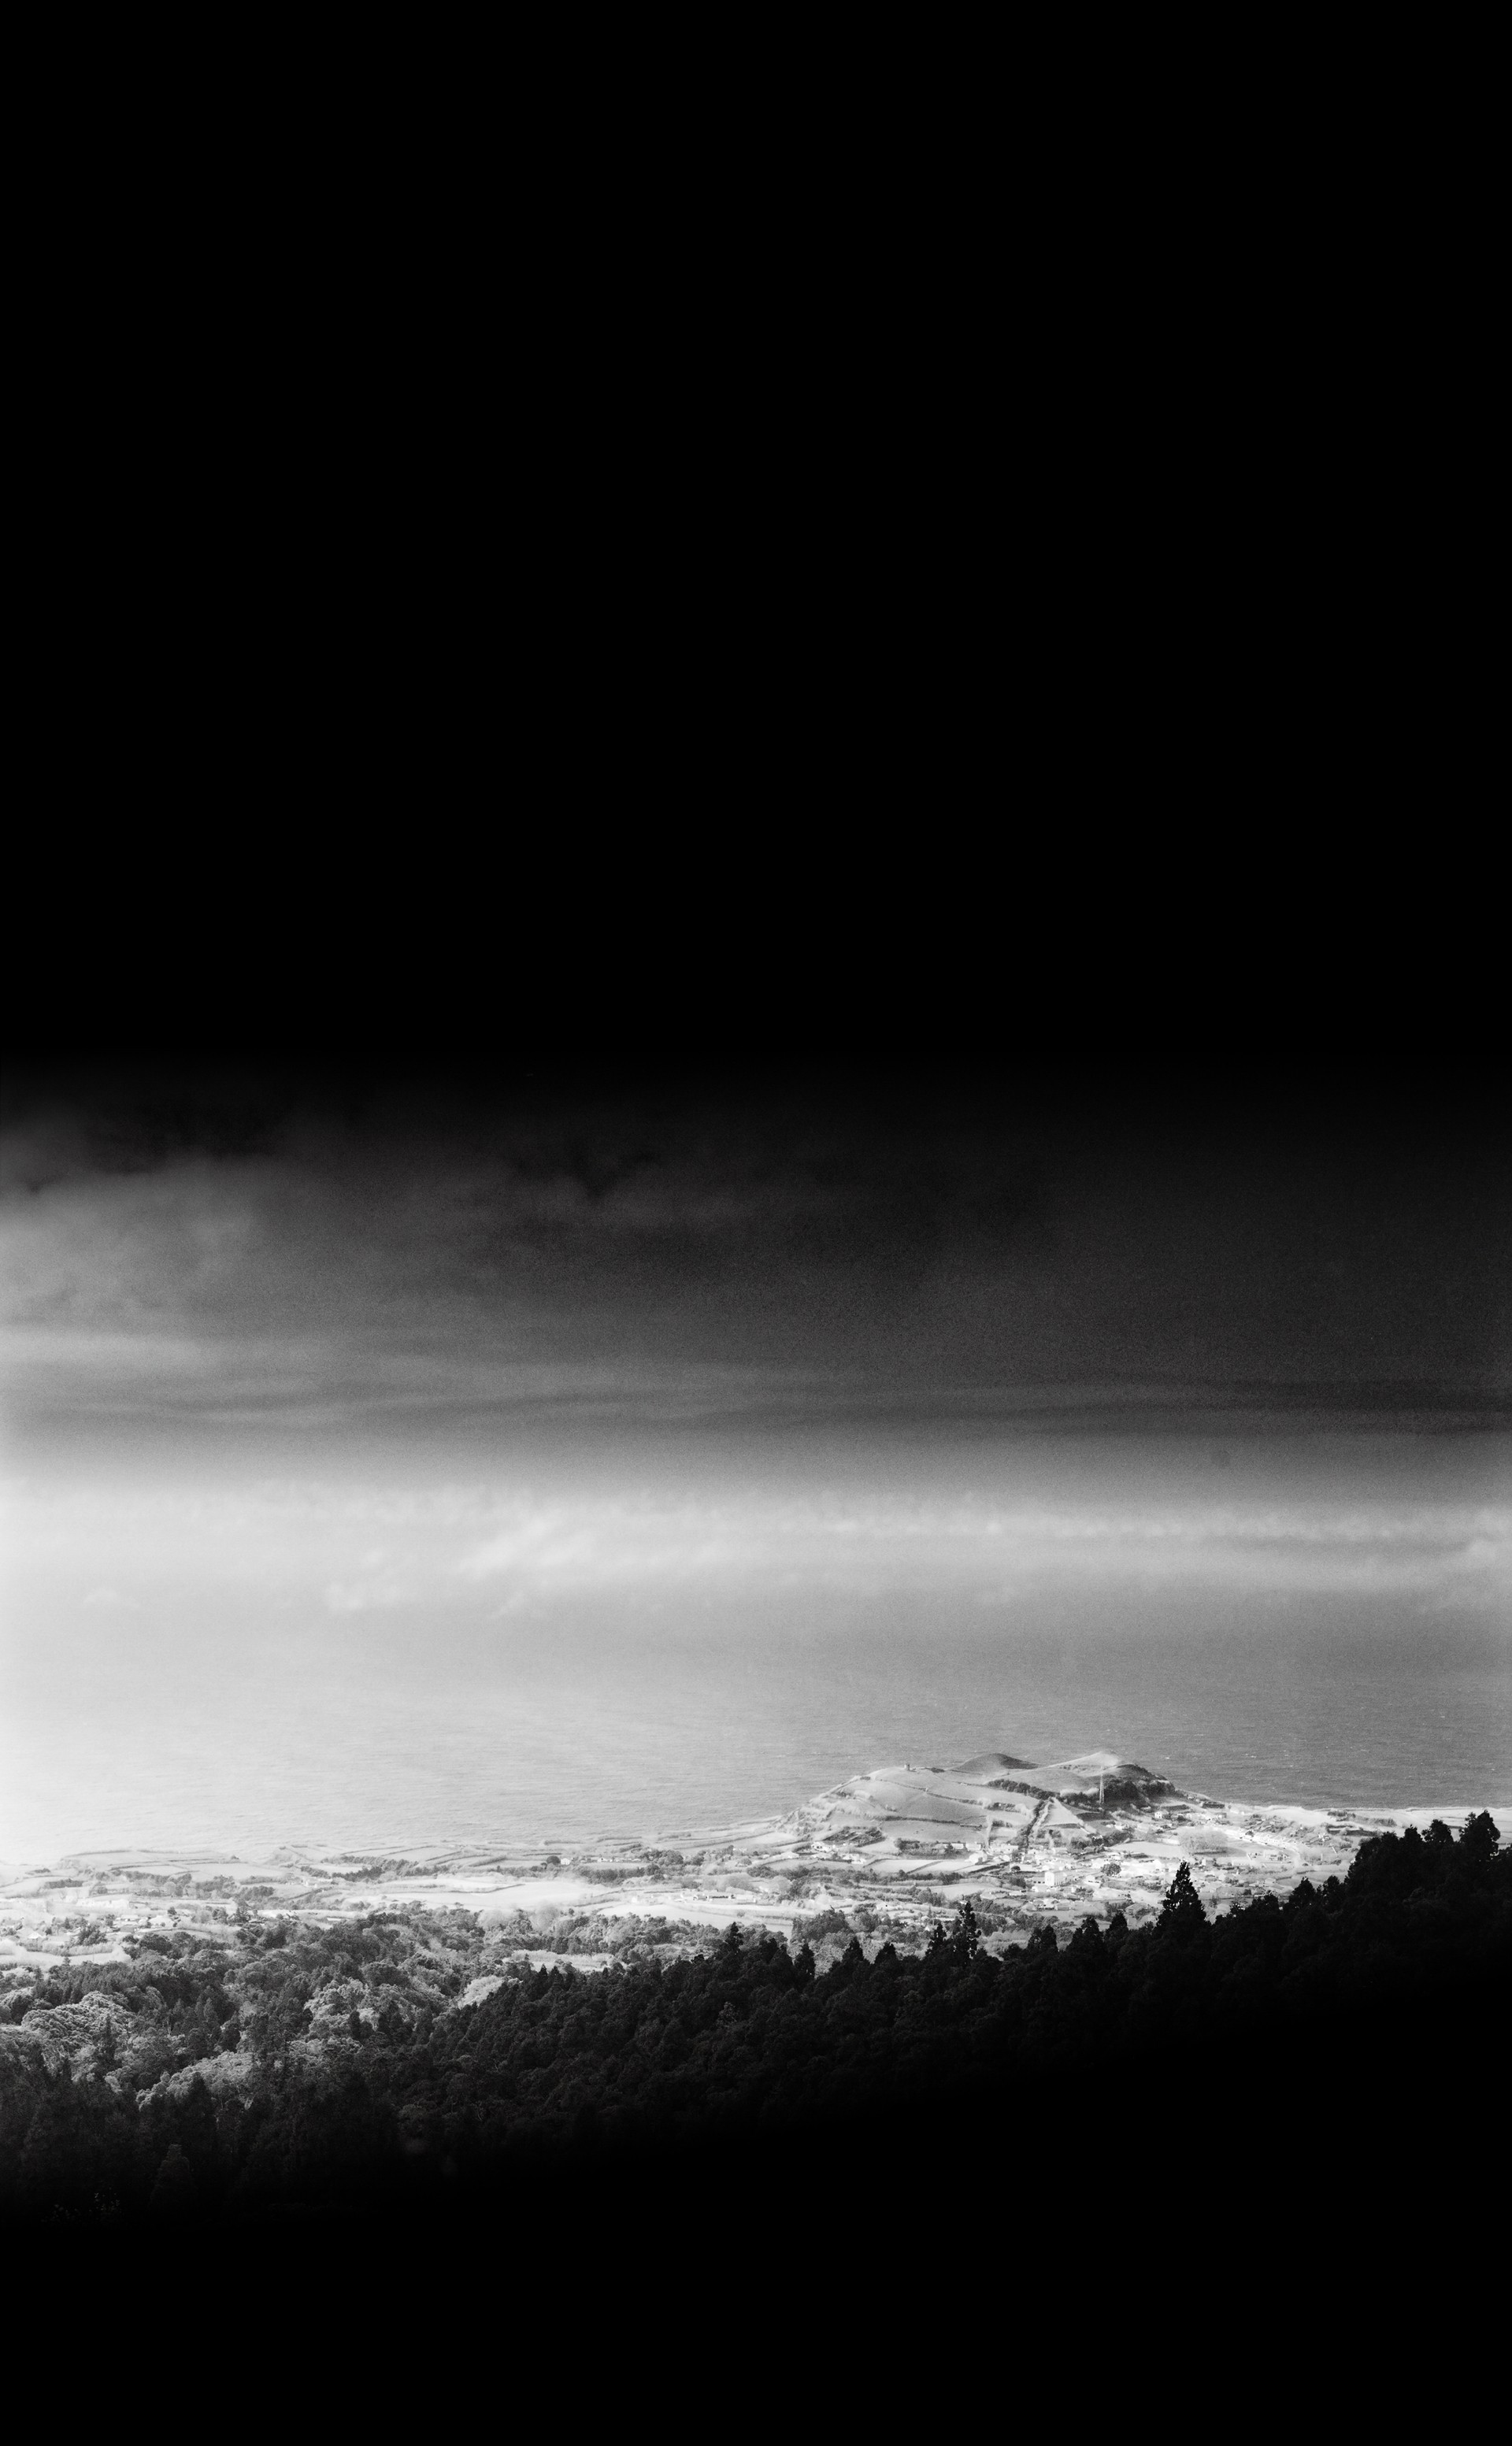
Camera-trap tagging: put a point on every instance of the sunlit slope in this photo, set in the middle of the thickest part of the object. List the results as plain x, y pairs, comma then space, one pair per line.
983, 1800
884, 1853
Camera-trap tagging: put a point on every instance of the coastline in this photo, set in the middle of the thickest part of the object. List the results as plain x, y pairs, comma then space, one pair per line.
886, 1852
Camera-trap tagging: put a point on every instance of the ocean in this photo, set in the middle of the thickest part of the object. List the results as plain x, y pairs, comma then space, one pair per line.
390, 1730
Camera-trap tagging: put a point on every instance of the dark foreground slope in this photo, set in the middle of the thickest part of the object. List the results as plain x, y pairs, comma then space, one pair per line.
1308, 2067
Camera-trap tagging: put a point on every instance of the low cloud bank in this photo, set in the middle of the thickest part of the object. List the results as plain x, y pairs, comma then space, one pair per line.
356, 1549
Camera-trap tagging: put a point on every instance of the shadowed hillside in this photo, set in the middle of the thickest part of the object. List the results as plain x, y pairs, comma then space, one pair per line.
368, 2067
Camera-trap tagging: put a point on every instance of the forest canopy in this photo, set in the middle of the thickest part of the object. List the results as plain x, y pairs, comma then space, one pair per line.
393, 2058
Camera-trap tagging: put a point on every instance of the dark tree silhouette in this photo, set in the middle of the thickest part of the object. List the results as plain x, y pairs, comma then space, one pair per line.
1182, 1912
739, 2037
1482, 1837
173, 2193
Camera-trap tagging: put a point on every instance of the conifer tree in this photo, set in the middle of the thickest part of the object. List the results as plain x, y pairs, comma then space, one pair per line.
1182, 1912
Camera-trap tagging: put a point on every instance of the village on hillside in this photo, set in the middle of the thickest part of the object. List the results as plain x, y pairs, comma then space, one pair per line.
880, 1856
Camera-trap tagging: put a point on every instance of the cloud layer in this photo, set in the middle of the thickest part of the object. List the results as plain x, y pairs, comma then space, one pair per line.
360, 1550
686, 1256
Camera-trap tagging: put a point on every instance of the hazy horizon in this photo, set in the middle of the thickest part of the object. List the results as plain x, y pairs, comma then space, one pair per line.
537, 1406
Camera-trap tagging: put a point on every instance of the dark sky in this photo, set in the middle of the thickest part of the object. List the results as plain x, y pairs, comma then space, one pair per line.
238, 1244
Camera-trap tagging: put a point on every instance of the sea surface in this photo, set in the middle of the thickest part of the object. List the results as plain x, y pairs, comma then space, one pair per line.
397, 1731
